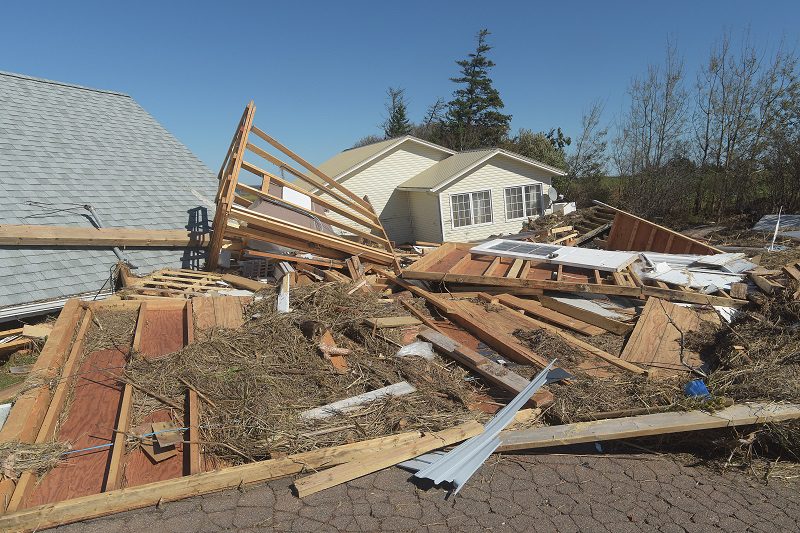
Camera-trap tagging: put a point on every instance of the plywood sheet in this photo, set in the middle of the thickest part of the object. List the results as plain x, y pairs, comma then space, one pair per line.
163, 331
89, 422
656, 340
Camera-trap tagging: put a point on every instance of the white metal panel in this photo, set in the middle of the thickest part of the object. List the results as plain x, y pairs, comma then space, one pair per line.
605, 260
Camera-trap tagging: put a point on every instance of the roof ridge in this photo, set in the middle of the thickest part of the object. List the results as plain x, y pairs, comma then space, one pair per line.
61, 83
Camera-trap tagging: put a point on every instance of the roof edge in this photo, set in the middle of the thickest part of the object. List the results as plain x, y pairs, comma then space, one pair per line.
391, 146
61, 83
494, 152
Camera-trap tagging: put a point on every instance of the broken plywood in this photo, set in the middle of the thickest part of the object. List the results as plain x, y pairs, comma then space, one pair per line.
659, 338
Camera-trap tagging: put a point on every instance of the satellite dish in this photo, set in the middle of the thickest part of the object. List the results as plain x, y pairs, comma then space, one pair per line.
553, 194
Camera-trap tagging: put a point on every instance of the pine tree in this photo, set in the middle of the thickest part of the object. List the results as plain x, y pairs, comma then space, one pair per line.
397, 123
474, 118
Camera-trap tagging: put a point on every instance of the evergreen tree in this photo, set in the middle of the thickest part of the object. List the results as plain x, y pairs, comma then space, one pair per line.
397, 123
474, 119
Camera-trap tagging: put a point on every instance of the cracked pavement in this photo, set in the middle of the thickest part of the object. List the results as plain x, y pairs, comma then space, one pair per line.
515, 493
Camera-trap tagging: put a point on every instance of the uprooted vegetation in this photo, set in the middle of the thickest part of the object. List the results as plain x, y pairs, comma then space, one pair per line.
263, 375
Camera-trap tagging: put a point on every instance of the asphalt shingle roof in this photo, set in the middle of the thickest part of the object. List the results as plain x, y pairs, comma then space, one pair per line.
63, 146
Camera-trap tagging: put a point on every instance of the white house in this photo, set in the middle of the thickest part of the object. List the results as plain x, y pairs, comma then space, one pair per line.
425, 192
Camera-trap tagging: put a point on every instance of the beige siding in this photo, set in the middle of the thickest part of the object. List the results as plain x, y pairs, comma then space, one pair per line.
379, 180
425, 216
495, 175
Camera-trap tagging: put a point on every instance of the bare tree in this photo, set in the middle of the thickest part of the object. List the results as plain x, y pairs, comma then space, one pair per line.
589, 157
652, 129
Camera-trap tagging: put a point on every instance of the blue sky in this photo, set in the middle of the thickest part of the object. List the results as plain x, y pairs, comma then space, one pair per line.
318, 71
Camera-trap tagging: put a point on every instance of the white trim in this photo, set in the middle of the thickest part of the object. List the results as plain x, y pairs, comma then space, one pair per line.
490, 155
471, 213
525, 216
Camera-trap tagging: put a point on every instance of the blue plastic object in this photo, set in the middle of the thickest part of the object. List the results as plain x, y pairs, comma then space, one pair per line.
696, 389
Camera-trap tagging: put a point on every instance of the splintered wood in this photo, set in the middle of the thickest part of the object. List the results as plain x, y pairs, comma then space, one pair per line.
659, 339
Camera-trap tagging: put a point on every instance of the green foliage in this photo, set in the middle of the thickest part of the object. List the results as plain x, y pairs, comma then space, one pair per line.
474, 119
397, 123
547, 148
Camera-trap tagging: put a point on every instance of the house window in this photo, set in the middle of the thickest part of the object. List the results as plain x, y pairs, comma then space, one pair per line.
523, 201
471, 208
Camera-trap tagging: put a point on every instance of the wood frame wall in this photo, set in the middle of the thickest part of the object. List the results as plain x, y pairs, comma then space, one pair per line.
356, 217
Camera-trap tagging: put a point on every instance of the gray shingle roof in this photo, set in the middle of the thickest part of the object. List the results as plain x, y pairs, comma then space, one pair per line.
63, 146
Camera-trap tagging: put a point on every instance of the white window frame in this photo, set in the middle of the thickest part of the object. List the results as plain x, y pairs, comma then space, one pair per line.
472, 223
525, 214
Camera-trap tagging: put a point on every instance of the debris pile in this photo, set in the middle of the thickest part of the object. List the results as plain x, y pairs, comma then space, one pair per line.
311, 347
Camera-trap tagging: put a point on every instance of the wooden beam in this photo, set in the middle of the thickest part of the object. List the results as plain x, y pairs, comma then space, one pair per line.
372, 462
193, 408
228, 178
311, 168
30, 408
114, 477
608, 324
349, 228
647, 425
393, 321
321, 261
295, 231
537, 309
584, 347
241, 282
370, 222
96, 505
493, 373
766, 285
52, 236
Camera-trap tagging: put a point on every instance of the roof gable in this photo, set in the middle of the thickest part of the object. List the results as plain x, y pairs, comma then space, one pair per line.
443, 173
64, 146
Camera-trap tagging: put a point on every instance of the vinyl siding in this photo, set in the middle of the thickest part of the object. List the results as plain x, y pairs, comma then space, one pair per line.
494, 175
425, 219
379, 182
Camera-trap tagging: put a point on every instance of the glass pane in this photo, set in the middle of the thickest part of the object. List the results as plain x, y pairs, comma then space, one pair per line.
533, 200
460, 210
514, 205
482, 207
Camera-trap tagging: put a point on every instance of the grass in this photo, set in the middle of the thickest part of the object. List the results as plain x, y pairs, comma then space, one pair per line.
19, 358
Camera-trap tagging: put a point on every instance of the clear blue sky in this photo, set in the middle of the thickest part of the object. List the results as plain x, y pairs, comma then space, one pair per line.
318, 71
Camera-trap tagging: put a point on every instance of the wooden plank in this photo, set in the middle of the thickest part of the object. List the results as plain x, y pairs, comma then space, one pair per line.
241, 282
792, 271
739, 290
647, 425
766, 285
417, 313
537, 309
294, 231
13, 346
393, 321
193, 412
368, 221
52, 236
492, 267
96, 505
352, 227
608, 324
30, 408
354, 402
228, 178
516, 266
327, 346
372, 462
494, 373
625, 230
656, 339
114, 477
584, 347
320, 261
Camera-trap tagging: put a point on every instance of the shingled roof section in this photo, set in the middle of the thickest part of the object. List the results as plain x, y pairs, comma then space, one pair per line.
63, 146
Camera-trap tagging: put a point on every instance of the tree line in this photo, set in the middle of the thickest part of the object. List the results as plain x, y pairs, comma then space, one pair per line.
724, 140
